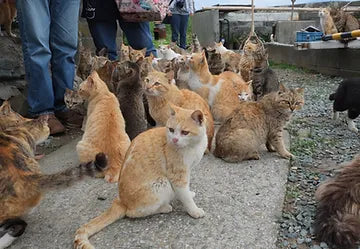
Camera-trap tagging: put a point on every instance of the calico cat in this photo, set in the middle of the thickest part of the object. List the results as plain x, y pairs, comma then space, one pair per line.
326, 22
124, 53
347, 97
129, 91
22, 185
8, 117
264, 81
161, 90
215, 63
135, 55
337, 220
7, 15
217, 90
257, 123
105, 126
156, 170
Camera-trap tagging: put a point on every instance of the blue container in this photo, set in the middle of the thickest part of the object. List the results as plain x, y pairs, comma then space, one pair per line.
303, 36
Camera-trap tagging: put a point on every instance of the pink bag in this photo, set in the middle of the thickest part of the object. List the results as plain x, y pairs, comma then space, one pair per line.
142, 10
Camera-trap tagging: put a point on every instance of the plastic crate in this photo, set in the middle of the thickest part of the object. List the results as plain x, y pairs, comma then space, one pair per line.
303, 36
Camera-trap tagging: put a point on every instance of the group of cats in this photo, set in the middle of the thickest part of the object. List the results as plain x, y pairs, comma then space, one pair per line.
151, 166
334, 20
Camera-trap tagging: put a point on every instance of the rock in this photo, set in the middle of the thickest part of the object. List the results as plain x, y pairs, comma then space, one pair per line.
315, 247
285, 243
300, 241
323, 245
11, 59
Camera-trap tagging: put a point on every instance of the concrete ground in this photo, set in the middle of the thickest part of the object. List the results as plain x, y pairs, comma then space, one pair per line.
242, 203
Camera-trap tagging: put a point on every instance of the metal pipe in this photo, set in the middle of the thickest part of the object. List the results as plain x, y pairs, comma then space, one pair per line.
340, 36
234, 8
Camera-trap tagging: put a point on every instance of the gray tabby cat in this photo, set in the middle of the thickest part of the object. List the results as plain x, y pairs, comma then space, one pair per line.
264, 81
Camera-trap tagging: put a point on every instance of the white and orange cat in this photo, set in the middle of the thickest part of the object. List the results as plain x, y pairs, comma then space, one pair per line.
105, 126
156, 170
162, 90
7, 15
217, 90
327, 22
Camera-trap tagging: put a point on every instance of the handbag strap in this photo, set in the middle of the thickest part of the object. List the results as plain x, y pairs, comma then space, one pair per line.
171, 2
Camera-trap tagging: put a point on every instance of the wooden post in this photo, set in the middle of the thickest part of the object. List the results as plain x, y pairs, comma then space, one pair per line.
292, 9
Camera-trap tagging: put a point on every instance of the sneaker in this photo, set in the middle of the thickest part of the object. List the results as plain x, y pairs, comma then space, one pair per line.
70, 118
54, 124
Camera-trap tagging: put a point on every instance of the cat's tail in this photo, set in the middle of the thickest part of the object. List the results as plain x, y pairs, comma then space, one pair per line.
115, 212
71, 175
332, 96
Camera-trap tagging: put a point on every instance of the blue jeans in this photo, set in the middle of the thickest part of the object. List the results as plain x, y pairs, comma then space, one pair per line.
179, 24
49, 30
137, 34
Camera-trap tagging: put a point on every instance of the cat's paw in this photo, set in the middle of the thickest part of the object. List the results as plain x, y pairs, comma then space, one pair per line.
167, 208
288, 155
81, 242
112, 176
197, 213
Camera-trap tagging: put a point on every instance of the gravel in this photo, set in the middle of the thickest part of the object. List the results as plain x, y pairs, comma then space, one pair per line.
320, 145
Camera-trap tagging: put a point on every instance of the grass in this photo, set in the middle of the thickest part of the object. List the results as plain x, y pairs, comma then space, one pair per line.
290, 67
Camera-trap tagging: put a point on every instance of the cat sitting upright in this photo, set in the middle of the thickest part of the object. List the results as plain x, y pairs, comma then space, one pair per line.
257, 123
156, 170
347, 98
7, 15
326, 22
165, 52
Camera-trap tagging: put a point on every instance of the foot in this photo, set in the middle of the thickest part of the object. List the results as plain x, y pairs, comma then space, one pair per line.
287, 155
54, 124
70, 118
196, 213
167, 208
111, 176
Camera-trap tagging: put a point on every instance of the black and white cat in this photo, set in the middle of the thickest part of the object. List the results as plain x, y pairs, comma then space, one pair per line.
347, 97
10, 230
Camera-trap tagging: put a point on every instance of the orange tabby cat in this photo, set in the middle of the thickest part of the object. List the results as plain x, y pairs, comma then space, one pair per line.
124, 53
218, 90
135, 55
162, 90
7, 15
326, 22
156, 170
105, 126
22, 185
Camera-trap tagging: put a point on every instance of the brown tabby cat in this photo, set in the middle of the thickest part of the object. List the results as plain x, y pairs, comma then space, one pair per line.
215, 63
264, 81
105, 126
326, 22
22, 185
182, 71
89, 63
247, 63
135, 55
217, 90
257, 123
344, 22
74, 102
129, 91
7, 15
9, 118
156, 170
337, 220
161, 90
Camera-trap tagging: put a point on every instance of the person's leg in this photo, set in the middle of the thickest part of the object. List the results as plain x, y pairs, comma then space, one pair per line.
63, 45
175, 27
138, 36
104, 36
34, 23
183, 28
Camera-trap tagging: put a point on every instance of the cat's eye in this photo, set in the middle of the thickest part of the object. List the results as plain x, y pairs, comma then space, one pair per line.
184, 133
171, 130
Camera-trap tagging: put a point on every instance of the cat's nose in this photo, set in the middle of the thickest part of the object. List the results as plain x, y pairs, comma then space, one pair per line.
175, 140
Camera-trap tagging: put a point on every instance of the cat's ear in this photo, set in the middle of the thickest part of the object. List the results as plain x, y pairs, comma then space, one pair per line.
143, 51
68, 91
300, 90
91, 82
282, 88
172, 109
5, 108
198, 117
249, 82
170, 76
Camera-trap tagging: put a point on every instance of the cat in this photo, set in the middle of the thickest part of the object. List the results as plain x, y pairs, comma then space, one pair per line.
196, 47
165, 52
219, 48
326, 22
135, 55
124, 53
105, 126
176, 48
8, 117
215, 62
129, 92
217, 90
264, 81
89, 63
344, 22
257, 123
243, 89
22, 185
182, 72
74, 102
347, 97
161, 90
231, 61
337, 220
7, 16
247, 63
156, 170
